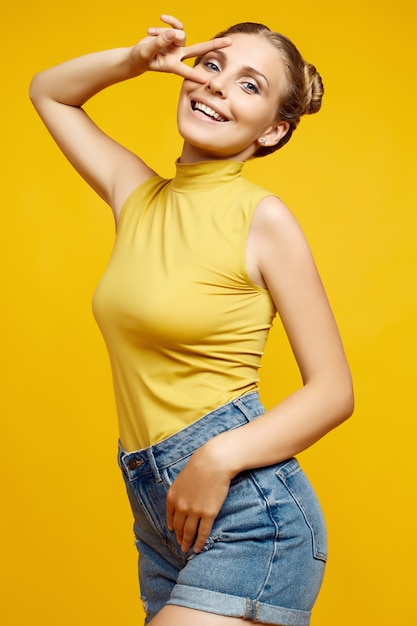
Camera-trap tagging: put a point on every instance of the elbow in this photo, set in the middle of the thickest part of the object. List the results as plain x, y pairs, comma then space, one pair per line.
33, 89
335, 396
37, 91
348, 406
344, 397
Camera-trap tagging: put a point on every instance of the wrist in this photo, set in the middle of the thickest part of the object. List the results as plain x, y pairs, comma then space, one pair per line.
223, 452
122, 65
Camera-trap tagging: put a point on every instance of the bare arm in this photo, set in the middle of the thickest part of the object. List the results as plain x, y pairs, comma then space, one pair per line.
59, 93
285, 265
326, 398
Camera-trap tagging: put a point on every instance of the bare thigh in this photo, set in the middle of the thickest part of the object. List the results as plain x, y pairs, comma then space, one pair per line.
172, 615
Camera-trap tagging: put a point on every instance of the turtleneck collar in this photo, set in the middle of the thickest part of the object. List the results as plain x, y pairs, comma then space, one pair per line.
203, 175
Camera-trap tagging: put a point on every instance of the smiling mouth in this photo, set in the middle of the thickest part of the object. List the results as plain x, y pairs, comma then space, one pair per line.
203, 108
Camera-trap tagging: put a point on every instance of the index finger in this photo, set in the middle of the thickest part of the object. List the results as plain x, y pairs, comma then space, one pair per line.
199, 49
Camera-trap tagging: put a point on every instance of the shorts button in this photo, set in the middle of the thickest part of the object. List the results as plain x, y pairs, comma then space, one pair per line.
135, 463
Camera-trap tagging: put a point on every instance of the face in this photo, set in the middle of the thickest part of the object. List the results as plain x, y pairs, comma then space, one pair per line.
228, 115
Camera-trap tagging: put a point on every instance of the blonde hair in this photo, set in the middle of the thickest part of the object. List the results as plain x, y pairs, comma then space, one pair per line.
305, 89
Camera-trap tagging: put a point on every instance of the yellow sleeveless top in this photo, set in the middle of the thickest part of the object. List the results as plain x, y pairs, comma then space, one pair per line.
184, 326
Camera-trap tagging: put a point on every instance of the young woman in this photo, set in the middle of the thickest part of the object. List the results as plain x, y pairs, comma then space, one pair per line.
227, 525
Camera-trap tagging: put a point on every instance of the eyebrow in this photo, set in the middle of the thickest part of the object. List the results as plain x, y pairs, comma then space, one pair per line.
247, 68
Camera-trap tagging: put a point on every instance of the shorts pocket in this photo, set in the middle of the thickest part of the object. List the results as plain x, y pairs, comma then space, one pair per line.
299, 487
170, 472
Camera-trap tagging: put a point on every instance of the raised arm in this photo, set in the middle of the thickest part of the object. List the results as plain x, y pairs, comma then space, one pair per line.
59, 93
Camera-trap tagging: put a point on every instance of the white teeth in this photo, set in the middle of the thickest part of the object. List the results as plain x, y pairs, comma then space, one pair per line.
208, 111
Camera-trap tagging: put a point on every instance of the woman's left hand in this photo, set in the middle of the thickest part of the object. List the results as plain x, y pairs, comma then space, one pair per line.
196, 497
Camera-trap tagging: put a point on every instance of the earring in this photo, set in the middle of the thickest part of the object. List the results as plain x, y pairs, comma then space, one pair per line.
262, 141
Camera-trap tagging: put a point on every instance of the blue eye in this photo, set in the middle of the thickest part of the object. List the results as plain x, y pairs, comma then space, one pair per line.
213, 67
250, 87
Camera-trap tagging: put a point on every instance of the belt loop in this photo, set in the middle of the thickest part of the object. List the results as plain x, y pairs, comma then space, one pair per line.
239, 404
153, 464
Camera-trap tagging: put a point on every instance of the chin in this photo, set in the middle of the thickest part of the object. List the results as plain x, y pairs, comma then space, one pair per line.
202, 139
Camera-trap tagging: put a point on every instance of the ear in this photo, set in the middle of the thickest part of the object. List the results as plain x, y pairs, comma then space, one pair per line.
274, 134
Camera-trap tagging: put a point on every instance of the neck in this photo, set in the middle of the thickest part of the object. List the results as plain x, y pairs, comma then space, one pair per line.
192, 154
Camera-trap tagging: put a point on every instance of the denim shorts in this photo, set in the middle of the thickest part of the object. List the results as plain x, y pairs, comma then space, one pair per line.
264, 560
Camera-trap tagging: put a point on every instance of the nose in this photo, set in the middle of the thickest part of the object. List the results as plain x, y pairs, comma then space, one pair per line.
217, 86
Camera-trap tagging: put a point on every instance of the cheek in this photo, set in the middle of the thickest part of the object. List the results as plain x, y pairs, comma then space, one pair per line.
183, 100
256, 118
183, 91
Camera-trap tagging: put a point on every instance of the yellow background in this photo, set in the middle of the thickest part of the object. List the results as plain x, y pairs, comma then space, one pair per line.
67, 554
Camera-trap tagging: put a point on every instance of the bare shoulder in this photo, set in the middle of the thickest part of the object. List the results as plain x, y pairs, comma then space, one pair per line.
129, 172
275, 241
273, 222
